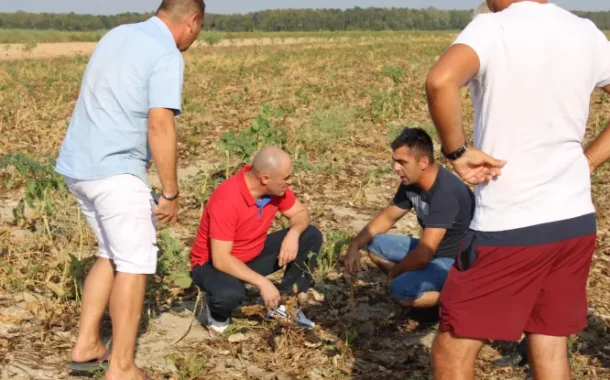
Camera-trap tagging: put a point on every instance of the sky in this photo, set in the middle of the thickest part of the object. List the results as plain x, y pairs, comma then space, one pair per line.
243, 6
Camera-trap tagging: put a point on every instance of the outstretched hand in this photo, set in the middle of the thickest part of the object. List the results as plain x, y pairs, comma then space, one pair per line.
477, 167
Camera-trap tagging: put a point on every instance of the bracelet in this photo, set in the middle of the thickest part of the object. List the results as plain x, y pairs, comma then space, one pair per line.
169, 198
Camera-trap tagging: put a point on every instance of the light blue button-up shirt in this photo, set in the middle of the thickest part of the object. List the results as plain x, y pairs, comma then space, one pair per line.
134, 68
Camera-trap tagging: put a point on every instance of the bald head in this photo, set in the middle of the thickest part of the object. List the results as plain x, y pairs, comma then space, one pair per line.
178, 10
270, 160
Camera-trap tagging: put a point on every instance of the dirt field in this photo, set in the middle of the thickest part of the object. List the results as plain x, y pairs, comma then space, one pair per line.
11, 52
334, 105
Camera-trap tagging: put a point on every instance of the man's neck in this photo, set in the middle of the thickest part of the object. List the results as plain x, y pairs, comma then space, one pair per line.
170, 25
253, 185
428, 178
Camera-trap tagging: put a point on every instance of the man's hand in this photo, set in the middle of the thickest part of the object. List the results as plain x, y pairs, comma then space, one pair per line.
352, 259
476, 167
289, 249
270, 294
166, 211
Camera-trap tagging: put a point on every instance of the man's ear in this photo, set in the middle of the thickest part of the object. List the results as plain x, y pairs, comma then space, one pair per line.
193, 20
264, 179
424, 162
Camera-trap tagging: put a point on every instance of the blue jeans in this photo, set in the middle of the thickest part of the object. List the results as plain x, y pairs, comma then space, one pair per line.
410, 286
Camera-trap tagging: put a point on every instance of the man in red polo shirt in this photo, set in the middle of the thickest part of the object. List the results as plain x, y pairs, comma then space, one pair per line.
232, 246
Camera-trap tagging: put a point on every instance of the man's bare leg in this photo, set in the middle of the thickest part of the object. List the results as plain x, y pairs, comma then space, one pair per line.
96, 294
384, 265
548, 357
454, 358
126, 301
427, 300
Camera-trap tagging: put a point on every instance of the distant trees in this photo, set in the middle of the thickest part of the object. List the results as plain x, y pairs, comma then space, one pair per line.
279, 20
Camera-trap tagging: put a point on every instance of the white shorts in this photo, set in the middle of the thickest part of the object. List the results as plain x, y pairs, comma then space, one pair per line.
119, 211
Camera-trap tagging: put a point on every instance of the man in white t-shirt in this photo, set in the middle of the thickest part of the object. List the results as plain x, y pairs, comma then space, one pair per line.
531, 67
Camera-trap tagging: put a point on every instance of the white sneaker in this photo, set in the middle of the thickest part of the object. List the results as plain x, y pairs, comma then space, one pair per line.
215, 327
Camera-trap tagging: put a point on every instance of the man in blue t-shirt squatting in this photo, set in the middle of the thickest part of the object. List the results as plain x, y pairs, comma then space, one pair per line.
124, 117
417, 267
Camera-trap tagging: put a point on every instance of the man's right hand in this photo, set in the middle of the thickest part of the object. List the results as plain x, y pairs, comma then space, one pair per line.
352, 259
270, 294
166, 211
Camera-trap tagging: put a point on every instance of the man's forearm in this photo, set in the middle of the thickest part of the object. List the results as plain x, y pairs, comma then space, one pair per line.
163, 147
444, 104
417, 259
238, 269
599, 150
377, 226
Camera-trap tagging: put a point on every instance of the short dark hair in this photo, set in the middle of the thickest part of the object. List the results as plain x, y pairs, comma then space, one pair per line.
182, 7
417, 139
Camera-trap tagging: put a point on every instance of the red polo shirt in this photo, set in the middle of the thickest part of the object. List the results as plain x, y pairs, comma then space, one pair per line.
232, 214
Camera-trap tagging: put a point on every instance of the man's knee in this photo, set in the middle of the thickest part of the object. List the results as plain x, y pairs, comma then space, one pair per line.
227, 299
448, 348
547, 348
314, 237
311, 241
375, 247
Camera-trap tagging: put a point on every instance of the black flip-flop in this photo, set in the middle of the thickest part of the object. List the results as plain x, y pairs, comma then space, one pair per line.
92, 365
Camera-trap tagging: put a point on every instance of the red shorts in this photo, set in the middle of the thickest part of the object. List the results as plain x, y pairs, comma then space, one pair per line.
530, 280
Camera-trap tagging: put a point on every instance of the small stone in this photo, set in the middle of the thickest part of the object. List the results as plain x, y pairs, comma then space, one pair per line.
317, 296
236, 338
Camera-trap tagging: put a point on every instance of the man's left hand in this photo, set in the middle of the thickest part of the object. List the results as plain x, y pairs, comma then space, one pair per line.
289, 249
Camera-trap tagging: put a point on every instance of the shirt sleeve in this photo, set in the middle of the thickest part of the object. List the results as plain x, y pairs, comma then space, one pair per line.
401, 200
223, 220
444, 210
287, 200
603, 78
165, 83
481, 35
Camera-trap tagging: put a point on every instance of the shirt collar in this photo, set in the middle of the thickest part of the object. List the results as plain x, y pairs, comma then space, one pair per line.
169, 38
243, 187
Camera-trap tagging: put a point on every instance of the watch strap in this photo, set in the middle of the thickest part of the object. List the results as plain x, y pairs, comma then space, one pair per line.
169, 198
455, 154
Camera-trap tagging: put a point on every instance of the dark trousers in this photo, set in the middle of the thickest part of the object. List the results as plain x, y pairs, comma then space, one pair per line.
225, 293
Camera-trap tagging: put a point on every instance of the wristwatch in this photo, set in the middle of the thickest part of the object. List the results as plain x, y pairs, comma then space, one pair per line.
455, 154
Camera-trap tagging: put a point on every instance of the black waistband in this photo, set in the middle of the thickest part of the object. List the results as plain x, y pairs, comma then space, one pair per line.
542, 233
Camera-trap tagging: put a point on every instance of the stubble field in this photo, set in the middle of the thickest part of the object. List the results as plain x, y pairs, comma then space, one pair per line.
334, 104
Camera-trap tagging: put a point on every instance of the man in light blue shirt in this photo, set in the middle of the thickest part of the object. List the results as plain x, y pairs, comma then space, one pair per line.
124, 117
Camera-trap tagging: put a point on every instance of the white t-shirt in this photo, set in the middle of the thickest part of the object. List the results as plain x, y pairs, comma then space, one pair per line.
539, 66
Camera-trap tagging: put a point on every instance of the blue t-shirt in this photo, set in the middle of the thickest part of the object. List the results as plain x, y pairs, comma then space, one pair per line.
134, 68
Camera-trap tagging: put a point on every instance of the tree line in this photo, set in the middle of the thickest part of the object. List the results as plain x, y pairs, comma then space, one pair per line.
278, 20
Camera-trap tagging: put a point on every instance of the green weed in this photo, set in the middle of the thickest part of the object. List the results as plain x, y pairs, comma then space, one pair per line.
264, 130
